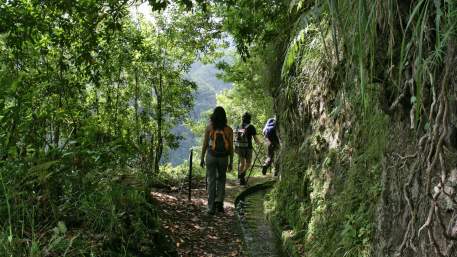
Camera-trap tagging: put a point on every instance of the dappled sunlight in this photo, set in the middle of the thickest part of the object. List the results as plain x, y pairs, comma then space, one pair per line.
106, 118
195, 232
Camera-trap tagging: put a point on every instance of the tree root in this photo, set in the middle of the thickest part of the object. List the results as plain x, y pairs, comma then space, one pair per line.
430, 156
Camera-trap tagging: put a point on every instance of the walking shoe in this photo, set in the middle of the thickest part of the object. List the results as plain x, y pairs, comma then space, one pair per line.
219, 206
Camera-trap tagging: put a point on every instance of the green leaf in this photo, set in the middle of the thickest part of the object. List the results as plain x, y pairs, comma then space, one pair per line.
12, 151
43, 166
62, 228
427, 126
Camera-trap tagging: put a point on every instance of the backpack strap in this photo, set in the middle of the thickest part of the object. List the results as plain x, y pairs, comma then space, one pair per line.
224, 136
227, 134
211, 136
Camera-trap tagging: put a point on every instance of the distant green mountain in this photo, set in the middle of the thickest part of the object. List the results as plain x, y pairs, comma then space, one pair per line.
205, 75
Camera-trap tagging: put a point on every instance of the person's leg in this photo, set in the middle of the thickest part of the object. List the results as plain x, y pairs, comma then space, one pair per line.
242, 163
211, 169
271, 153
270, 156
241, 170
220, 184
247, 163
274, 148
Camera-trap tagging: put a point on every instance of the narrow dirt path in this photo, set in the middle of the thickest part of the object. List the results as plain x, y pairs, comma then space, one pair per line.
195, 232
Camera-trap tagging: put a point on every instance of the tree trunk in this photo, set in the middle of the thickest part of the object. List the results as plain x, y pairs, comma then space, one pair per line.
137, 124
58, 123
159, 146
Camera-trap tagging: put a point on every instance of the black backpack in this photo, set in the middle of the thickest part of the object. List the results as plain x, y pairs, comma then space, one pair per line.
240, 137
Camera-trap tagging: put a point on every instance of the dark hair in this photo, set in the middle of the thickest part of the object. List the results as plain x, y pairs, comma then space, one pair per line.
219, 118
246, 118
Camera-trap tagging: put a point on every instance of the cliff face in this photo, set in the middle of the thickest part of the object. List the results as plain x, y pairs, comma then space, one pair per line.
368, 157
416, 210
330, 162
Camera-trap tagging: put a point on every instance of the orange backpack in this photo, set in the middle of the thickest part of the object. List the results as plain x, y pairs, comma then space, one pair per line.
219, 144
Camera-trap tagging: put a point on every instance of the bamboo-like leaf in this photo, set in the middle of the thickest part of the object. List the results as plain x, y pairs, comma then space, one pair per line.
43, 166
292, 52
414, 12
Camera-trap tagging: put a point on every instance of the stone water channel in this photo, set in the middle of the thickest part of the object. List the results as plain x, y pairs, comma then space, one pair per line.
259, 236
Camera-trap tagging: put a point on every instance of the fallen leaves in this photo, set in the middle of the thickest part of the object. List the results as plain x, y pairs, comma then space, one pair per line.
196, 233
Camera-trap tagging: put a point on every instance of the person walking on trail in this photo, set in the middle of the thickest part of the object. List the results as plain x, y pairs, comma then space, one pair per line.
272, 141
243, 145
218, 150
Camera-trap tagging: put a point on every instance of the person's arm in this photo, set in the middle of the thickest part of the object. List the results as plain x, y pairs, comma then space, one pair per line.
254, 135
257, 140
231, 151
204, 147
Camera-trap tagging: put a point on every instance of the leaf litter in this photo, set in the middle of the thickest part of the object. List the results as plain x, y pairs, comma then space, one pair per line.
195, 232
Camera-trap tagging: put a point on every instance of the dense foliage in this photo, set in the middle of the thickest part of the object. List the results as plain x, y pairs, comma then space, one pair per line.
366, 103
89, 93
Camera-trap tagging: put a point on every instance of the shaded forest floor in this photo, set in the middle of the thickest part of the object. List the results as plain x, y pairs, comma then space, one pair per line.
195, 232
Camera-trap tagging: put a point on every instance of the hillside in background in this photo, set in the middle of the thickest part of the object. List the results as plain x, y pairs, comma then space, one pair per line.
205, 75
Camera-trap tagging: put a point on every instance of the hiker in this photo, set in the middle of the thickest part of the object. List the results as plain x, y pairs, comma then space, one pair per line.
218, 150
272, 140
243, 145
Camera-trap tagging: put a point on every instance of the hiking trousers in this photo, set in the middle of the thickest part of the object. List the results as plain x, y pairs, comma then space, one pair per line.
216, 168
271, 149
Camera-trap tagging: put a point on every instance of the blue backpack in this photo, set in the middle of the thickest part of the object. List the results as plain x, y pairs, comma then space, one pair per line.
269, 131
